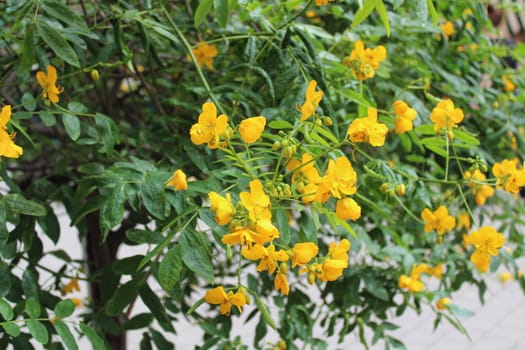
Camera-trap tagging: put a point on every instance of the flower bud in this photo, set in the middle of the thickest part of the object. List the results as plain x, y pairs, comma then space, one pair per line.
283, 267
94, 74
311, 278
276, 146
450, 135
384, 187
327, 121
401, 190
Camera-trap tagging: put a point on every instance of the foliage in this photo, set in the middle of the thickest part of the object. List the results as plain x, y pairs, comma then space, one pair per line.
353, 149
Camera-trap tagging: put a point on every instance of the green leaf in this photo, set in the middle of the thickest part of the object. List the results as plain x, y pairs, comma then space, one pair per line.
363, 12
6, 310
433, 12
5, 279
18, 204
153, 196
32, 307
58, 44
64, 308
112, 210
466, 137
38, 331
152, 301
202, 11
170, 268
28, 51
139, 321
65, 334
123, 297
144, 236
48, 118
280, 124
28, 101
459, 311
195, 255
221, 11
375, 287
64, 14
381, 10
94, 338
284, 227
72, 125
422, 10
108, 131
12, 329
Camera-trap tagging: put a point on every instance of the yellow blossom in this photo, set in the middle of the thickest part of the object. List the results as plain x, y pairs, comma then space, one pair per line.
178, 180
442, 303
481, 192
281, 283
252, 128
404, 117
487, 242
463, 221
257, 202
508, 84
337, 260
448, 29
321, 2
302, 253
312, 100
8, 148
304, 176
268, 256
364, 62
505, 276
204, 54
222, 207
246, 236
348, 209
368, 129
209, 127
445, 115
508, 176
77, 302
339, 181
48, 83
411, 284
71, 286
218, 296
438, 220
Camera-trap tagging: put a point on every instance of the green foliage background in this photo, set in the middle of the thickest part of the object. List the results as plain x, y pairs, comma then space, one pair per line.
106, 150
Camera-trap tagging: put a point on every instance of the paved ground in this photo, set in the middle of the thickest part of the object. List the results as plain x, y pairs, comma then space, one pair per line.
499, 324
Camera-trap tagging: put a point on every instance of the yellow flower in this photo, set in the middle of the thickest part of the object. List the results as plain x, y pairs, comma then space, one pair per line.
438, 220
348, 209
178, 180
411, 284
487, 241
245, 236
302, 253
445, 115
268, 256
339, 181
281, 283
337, 260
77, 302
447, 28
304, 176
218, 296
8, 148
481, 192
404, 117
364, 62
508, 85
321, 2
368, 129
209, 127
442, 303
505, 276
436, 271
71, 286
48, 83
252, 128
508, 176
222, 207
463, 221
204, 54
256, 202
312, 100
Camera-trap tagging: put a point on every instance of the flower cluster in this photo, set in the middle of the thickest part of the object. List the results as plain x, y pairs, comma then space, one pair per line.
487, 241
481, 191
508, 176
364, 62
413, 282
209, 127
368, 129
8, 148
